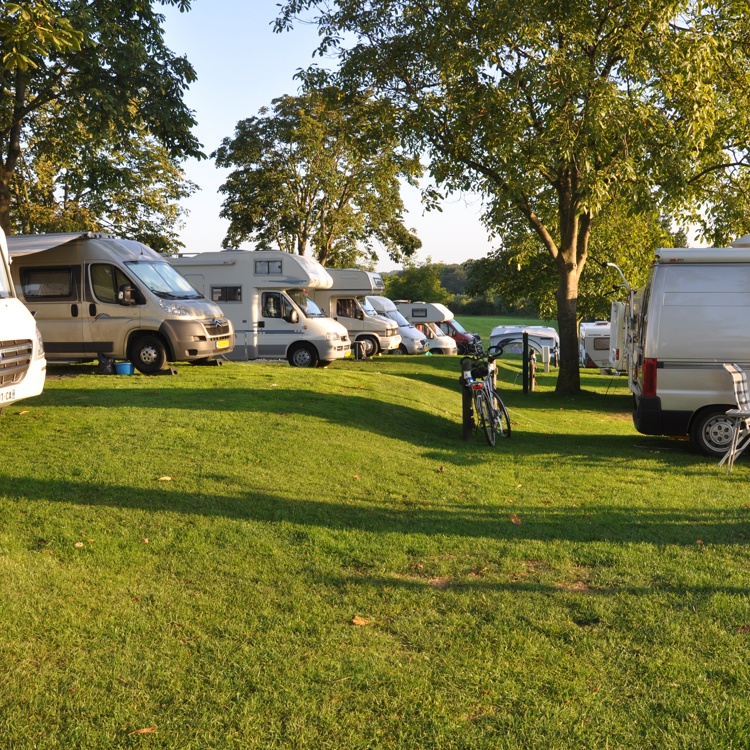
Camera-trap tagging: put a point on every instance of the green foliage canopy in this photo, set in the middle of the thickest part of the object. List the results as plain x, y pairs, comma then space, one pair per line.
418, 283
321, 172
553, 110
91, 103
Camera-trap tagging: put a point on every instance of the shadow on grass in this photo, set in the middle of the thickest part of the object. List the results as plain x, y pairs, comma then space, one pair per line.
578, 524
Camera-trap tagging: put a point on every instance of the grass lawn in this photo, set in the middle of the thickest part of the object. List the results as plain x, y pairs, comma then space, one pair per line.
256, 556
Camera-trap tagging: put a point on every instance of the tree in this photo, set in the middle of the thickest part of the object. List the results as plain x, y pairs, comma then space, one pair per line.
520, 269
318, 172
553, 110
91, 100
418, 283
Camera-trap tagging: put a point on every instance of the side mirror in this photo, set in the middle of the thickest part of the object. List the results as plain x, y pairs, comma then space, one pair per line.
292, 317
359, 315
126, 295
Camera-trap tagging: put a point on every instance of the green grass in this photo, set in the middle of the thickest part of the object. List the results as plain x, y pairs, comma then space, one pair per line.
578, 586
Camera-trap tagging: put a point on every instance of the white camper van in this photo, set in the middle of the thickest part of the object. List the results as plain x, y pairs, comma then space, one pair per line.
22, 362
265, 295
691, 317
594, 344
96, 296
413, 341
541, 339
346, 301
433, 312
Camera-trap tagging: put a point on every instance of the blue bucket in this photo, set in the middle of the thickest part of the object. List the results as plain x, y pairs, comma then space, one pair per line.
123, 368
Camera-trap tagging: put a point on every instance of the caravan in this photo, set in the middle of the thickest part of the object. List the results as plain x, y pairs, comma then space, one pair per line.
594, 344
95, 296
419, 313
689, 319
544, 340
22, 362
413, 341
346, 301
265, 293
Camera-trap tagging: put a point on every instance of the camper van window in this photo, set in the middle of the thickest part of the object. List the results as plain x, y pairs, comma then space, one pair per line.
346, 308
399, 319
601, 344
226, 294
106, 280
50, 283
163, 280
367, 307
6, 288
305, 304
267, 267
271, 305
419, 312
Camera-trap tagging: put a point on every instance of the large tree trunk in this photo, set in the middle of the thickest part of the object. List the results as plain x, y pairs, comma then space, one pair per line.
568, 379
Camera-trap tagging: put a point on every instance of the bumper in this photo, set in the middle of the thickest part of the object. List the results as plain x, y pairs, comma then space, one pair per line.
196, 339
30, 384
650, 419
328, 350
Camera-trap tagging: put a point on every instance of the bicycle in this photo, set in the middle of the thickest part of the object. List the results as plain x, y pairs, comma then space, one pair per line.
478, 373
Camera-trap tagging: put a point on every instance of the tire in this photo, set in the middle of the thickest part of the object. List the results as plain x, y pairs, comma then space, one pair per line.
401, 350
148, 355
303, 355
711, 431
502, 418
486, 417
372, 347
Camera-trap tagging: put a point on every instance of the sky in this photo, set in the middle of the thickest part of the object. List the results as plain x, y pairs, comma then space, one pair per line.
241, 66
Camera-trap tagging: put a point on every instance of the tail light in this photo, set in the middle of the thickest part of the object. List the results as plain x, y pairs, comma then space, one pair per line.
648, 387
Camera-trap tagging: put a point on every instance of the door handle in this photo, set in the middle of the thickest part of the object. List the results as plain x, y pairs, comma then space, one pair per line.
92, 310
74, 310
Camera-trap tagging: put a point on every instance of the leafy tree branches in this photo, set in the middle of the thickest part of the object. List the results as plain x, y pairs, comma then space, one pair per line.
319, 172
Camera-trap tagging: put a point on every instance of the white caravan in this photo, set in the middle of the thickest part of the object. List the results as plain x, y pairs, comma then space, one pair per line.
690, 318
265, 295
97, 296
541, 338
594, 344
413, 341
22, 362
433, 312
346, 301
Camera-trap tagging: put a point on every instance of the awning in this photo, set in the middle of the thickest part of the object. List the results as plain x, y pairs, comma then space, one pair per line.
27, 244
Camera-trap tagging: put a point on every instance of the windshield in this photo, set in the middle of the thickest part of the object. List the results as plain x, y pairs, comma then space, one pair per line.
458, 326
396, 316
163, 280
366, 306
6, 286
306, 305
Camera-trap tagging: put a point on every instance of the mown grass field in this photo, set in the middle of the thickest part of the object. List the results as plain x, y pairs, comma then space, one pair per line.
254, 556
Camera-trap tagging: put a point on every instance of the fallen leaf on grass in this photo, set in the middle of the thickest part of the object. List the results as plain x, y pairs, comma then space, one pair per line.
442, 468
164, 479
357, 620
515, 519
699, 541
478, 571
145, 730
79, 544
440, 582
145, 540
744, 629
356, 476
21, 413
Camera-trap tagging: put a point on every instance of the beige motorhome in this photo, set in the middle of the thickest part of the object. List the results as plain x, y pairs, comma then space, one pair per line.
346, 301
95, 296
22, 362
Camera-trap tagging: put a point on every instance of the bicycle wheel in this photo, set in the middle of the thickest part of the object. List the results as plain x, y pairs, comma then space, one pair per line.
502, 418
486, 417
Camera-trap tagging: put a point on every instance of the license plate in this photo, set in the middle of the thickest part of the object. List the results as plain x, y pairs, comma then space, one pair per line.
222, 344
8, 395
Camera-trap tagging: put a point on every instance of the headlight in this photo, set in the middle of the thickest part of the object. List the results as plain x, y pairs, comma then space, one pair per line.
332, 337
172, 308
39, 344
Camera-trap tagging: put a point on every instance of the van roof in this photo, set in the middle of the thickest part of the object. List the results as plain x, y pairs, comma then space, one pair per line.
27, 244
734, 254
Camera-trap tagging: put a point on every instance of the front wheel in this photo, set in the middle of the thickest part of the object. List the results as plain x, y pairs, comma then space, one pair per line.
711, 432
502, 418
372, 347
303, 355
148, 355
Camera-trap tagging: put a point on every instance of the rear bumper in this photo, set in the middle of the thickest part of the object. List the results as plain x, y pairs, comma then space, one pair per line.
650, 419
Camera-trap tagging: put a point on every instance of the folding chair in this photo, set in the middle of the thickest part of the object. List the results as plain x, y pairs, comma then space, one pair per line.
739, 417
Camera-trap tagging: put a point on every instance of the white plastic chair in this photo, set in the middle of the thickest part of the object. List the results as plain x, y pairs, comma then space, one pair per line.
740, 417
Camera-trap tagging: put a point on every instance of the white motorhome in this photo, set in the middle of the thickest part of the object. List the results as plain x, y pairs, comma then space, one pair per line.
346, 301
438, 342
434, 312
594, 344
541, 339
265, 293
413, 341
690, 318
22, 363
97, 296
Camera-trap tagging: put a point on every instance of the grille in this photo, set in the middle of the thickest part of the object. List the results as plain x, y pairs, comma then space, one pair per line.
15, 358
217, 328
